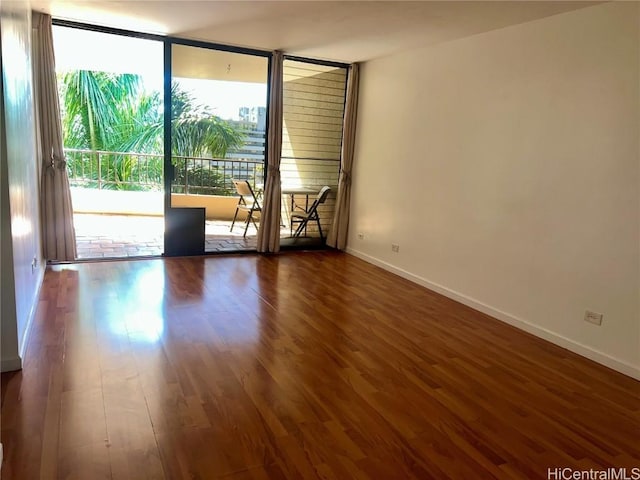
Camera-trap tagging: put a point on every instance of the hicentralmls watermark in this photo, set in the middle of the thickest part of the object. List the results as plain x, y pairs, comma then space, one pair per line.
560, 473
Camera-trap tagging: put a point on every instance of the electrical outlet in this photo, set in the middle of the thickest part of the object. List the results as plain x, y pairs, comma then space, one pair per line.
593, 317
395, 247
360, 236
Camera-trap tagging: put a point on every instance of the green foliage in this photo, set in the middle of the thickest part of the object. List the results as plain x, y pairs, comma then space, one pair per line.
116, 171
196, 131
111, 112
98, 107
201, 179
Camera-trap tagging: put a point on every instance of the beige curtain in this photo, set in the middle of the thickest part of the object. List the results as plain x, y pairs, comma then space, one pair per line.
338, 234
269, 231
59, 239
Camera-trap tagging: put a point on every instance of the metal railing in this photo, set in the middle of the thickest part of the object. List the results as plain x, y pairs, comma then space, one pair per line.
214, 176
144, 172
114, 170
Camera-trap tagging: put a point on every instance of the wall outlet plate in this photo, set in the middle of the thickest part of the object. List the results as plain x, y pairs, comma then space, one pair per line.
395, 247
593, 317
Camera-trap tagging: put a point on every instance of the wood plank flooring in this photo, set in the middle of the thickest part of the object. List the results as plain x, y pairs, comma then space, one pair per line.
302, 365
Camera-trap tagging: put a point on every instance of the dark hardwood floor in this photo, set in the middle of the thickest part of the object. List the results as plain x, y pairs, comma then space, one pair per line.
302, 365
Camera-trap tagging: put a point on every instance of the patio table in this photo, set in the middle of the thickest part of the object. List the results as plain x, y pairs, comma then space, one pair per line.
293, 191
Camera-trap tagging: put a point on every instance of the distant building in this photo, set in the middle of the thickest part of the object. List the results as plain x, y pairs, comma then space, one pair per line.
254, 115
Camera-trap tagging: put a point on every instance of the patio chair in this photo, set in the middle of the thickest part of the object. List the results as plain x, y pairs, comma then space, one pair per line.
302, 217
248, 202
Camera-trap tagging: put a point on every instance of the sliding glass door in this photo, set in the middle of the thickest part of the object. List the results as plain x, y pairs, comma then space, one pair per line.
218, 125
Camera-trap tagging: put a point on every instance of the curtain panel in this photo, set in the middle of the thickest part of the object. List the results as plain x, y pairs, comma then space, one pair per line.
58, 235
269, 231
337, 237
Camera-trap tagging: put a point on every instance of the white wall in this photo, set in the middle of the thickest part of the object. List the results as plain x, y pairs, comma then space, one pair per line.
506, 166
21, 241
8, 325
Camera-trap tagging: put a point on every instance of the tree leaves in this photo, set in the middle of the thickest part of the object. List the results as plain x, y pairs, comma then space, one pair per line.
113, 112
109, 112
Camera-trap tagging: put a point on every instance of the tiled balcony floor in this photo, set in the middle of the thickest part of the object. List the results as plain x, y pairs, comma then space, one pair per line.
115, 236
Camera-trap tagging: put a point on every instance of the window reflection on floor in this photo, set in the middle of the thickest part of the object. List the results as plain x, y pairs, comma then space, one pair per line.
143, 320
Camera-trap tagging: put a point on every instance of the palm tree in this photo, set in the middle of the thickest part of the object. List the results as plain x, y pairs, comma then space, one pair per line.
95, 107
112, 112
196, 131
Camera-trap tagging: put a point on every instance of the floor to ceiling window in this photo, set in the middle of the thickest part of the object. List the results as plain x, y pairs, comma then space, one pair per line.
115, 109
112, 116
112, 98
313, 110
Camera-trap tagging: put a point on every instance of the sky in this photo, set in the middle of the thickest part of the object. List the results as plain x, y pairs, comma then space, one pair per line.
225, 98
77, 49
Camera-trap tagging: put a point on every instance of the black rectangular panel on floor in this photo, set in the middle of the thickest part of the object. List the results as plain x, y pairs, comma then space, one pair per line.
184, 231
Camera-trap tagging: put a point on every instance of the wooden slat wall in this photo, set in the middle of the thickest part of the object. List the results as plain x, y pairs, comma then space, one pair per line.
313, 109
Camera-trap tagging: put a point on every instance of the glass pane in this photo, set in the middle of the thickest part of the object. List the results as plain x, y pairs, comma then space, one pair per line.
218, 135
112, 117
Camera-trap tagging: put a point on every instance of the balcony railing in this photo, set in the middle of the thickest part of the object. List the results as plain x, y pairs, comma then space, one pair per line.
144, 172
214, 176
138, 173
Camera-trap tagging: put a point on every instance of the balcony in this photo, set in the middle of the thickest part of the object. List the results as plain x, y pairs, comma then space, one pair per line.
118, 200
108, 235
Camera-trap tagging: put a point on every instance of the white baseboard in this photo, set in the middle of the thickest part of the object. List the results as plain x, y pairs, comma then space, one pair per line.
10, 364
15, 363
576, 347
32, 313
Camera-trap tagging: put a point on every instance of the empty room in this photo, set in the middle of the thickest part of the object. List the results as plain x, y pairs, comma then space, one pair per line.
319, 240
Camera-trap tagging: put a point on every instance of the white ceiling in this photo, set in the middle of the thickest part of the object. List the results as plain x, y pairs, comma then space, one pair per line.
344, 31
